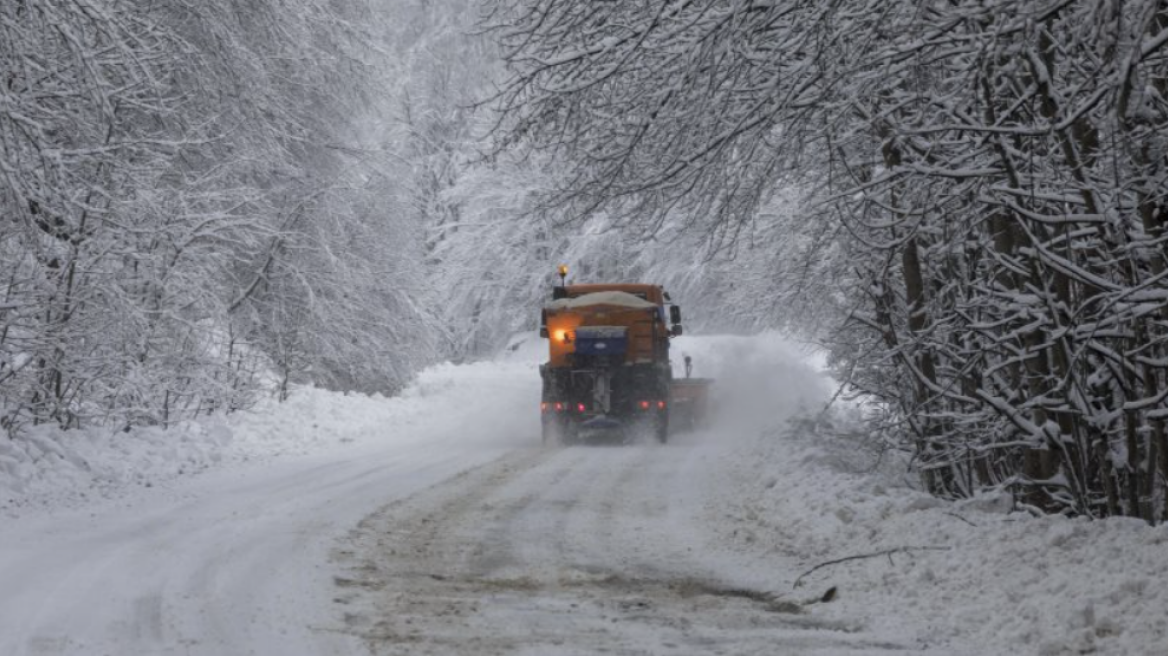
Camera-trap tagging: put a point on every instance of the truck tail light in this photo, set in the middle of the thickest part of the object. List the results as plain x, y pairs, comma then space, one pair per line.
660, 405
543, 406
559, 407
580, 407
644, 405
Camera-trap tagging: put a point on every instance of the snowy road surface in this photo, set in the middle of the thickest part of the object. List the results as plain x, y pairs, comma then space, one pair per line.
255, 558
236, 560
588, 550
239, 565
434, 523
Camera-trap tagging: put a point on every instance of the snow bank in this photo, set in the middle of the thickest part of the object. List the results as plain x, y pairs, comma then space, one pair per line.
970, 577
971, 573
46, 464
468, 405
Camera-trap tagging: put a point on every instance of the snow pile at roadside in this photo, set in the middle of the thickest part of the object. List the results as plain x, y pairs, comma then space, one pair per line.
971, 573
45, 463
968, 577
48, 467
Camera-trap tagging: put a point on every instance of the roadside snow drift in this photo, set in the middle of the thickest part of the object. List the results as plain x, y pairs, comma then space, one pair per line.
215, 537
485, 404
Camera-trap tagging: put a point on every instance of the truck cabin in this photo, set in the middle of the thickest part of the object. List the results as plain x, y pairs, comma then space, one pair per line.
612, 306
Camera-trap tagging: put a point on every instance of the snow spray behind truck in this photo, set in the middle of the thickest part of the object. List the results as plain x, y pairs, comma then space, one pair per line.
608, 371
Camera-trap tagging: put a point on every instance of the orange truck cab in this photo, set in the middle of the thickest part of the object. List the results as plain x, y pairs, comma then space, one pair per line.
608, 370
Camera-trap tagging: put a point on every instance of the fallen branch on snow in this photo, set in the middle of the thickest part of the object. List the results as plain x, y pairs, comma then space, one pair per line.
877, 554
953, 514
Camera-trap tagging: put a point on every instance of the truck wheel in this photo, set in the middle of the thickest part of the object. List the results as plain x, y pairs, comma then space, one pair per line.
661, 427
567, 433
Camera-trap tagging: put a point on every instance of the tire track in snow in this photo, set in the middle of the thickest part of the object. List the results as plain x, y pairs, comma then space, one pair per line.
582, 550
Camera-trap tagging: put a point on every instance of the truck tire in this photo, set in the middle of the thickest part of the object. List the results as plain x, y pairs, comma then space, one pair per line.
661, 428
567, 433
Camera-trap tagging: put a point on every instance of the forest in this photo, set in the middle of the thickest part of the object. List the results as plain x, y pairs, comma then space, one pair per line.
962, 203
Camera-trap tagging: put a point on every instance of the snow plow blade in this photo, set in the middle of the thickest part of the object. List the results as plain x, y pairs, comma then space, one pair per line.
689, 399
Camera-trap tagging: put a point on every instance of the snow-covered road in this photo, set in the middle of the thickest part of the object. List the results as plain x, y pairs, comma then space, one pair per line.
588, 550
236, 560
244, 558
236, 563
435, 523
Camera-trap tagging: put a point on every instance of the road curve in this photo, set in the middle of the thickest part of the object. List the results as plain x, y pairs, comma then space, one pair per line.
236, 563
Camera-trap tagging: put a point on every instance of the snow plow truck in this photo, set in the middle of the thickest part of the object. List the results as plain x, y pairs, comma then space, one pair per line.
608, 373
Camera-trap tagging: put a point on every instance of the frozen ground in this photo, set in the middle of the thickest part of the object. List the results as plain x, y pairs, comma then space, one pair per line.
435, 523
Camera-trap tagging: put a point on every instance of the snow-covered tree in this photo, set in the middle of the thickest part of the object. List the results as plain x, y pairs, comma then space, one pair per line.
985, 190
184, 209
